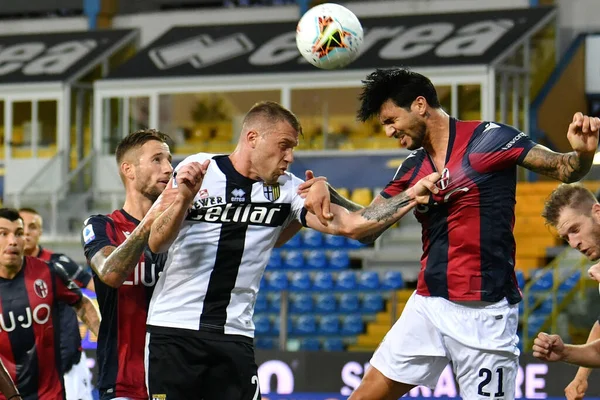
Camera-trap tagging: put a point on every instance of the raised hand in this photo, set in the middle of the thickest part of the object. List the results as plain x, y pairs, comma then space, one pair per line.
583, 133
424, 187
548, 347
305, 186
189, 179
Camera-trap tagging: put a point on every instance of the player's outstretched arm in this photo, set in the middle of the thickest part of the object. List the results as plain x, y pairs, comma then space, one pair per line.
368, 223
88, 314
164, 231
113, 265
578, 386
7, 386
572, 166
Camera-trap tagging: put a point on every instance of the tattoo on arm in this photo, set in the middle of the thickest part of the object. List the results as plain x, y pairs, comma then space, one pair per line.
164, 221
565, 167
88, 314
341, 201
385, 211
114, 265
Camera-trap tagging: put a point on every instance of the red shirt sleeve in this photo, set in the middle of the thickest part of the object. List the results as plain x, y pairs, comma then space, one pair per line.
404, 175
66, 290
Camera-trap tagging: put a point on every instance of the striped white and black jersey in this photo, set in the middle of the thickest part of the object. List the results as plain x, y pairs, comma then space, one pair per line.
214, 267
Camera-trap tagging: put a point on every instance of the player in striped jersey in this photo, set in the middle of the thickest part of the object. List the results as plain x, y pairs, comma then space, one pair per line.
219, 234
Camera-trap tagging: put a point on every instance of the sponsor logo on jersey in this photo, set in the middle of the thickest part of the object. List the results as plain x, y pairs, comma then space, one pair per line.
40, 288
238, 195
272, 192
263, 214
88, 234
40, 315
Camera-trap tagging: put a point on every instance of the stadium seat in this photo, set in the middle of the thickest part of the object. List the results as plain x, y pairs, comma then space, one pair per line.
305, 325
333, 344
339, 259
325, 303
392, 280
368, 280
310, 344
362, 196
301, 303
264, 343
352, 325
293, 259
346, 280
545, 281
334, 242
329, 325
372, 302
354, 244
570, 281
312, 239
262, 324
534, 324
262, 303
276, 324
275, 302
316, 259
300, 281
294, 243
349, 303
343, 192
275, 260
323, 281
278, 280
546, 306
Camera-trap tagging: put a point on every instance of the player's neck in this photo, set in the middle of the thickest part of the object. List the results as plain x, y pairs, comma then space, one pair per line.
438, 133
242, 164
137, 205
35, 252
9, 272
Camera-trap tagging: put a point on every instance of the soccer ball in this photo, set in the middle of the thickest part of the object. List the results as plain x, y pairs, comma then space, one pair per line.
329, 36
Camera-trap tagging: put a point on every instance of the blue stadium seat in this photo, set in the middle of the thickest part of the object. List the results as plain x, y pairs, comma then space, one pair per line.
534, 324
262, 324
264, 283
293, 259
372, 302
262, 303
339, 259
294, 243
352, 325
301, 303
275, 302
325, 303
316, 259
278, 280
349, 303
333, 344
354, 244
545, 307
334, 242
329, 325
392, 280
569, 280
545, 281
276, 322
312, 239
323, 281
368, 280
264, 343
346, 280
520, 278
300, 281
305, 325
275, 261
310, 344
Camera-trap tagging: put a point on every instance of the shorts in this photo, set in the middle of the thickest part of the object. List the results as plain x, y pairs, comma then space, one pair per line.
78, 381
184, 367
480, 341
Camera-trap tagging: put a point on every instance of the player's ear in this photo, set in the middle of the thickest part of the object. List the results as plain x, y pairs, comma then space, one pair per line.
127, 170
419, 105
596, 213
252, 138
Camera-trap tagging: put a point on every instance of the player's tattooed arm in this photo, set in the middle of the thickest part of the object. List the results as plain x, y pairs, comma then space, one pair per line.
382, 210
7, 386
565, 167
166, 227
88, 314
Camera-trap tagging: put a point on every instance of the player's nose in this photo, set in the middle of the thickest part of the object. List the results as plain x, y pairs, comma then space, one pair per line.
390, 131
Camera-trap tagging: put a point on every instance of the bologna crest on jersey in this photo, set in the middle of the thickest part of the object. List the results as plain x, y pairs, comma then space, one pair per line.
272, 192
444, 181
40, 288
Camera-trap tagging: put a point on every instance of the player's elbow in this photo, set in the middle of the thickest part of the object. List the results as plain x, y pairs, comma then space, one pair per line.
111, 280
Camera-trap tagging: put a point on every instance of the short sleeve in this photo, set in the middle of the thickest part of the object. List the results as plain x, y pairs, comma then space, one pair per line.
498, 147
66, 290
98, 232
404, 175
74, 271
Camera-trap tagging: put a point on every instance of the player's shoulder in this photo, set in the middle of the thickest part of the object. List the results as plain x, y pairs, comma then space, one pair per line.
37, 264
198, 157
96, 225
415, 158
491, 129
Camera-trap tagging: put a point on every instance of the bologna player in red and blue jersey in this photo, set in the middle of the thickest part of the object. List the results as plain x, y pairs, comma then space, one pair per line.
125, 270
464, 309
30, 290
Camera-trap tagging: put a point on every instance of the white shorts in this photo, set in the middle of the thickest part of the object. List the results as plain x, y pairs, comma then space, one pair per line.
480, 341
78, 381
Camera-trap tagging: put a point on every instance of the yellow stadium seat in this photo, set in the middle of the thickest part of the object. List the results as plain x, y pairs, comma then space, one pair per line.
343, 192
362, 196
